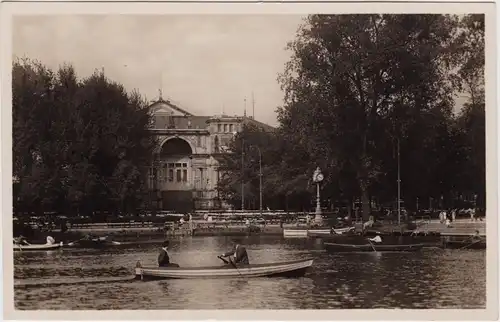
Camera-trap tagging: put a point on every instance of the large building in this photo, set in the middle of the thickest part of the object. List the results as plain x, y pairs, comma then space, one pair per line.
184, 173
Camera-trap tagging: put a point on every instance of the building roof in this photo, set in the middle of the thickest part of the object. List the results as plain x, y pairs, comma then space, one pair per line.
169, 115
265, 126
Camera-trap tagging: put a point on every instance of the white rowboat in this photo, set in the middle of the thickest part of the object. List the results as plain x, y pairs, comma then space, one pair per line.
37, 247
304, 233
289, 269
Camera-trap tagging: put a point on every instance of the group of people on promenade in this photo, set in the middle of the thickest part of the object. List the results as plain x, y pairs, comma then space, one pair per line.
449, 216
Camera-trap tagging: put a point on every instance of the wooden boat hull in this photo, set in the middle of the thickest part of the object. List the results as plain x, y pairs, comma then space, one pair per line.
37, 247
304, 233
341, 248
286, 269
93, 244
462, 244
321, 234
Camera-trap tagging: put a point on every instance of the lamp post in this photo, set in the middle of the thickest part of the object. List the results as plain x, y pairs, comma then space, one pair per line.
260, 178
317, 178
242, 172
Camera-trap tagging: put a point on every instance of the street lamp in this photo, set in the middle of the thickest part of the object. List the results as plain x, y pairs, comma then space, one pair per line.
242, 172
260, 178
317, 178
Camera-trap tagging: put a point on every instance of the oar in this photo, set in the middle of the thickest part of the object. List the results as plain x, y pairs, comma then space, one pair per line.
234, 265
371, 244
477, 241
222, 259
73, 242
18, 244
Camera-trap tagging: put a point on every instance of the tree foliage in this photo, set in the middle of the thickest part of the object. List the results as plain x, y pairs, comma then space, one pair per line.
78, 145
361, 89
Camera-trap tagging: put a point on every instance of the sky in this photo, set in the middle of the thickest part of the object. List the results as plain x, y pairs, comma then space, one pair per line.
205, 64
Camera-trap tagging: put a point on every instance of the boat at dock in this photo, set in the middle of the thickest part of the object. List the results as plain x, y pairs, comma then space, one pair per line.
304, 233
295, 268
464, 244
96, 242
36, 247
372, 247
322, 234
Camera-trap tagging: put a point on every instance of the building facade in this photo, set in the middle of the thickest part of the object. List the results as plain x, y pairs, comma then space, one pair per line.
184, 173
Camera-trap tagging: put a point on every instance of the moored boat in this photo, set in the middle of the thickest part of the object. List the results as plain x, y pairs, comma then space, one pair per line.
304, 233
464, 244
372, 247
93, 242
328, 234
295, 268
36, 247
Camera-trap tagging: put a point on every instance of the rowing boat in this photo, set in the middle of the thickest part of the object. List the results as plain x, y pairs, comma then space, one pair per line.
37, 247
464, 244
371, 247
285, 269
99, 242
304, 233
322, 234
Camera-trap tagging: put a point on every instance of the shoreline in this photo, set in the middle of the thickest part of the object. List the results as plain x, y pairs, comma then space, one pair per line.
147, 233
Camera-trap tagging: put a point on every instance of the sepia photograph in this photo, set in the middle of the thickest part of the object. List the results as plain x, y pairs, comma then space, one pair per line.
250, 161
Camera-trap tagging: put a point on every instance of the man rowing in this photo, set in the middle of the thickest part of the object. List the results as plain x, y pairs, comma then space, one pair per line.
21, 240
163, 258
238, 252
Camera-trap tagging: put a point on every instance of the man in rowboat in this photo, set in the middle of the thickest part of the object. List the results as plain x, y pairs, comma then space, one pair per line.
21, 240
163, 258
239, 253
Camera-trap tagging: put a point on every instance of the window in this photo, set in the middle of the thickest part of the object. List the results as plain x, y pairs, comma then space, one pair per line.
179, 178
219, 128
170, 165
199, 194
231, 129
198, 141
184, 175
178, 165
170, 175
164, 174
225, 128
216, 144
184, 165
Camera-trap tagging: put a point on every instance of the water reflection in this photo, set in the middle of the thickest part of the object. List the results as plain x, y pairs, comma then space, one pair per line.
90, 279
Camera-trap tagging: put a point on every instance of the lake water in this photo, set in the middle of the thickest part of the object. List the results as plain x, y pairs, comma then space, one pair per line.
103, 279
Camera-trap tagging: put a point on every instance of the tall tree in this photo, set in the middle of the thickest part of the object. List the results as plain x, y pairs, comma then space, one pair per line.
469, 78
284, 185
78, 145
355, 84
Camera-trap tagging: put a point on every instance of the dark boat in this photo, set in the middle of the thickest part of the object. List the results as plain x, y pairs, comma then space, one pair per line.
373, 247
464, 244
408, 233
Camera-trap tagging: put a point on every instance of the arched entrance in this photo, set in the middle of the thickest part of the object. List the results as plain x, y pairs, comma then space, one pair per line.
175, 184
